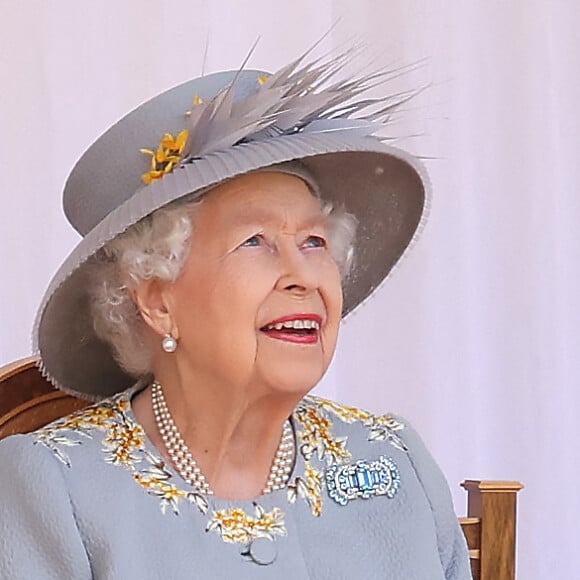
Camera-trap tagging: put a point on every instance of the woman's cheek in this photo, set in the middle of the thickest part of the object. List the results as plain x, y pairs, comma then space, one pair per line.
331, 283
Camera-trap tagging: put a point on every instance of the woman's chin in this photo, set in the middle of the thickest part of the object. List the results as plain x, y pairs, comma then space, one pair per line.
291, 368
298, 379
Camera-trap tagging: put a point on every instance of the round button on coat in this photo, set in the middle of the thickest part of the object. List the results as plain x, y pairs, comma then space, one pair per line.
261, 551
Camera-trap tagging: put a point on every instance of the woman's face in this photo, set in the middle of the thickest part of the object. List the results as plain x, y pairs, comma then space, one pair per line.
259, 263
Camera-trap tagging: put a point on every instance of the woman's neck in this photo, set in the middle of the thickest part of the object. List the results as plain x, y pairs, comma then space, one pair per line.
233, 432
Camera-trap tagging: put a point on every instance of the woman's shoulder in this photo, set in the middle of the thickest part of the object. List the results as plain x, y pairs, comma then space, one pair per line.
325, 415
25, 466
80, 430
354, 438
349, 433
38, 528
19, 454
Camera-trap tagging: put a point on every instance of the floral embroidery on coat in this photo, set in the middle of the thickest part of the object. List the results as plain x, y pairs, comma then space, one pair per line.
316, 440
381, 427
124, 446
236, 526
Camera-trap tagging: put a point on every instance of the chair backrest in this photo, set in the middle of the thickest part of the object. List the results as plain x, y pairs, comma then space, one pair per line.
28, 401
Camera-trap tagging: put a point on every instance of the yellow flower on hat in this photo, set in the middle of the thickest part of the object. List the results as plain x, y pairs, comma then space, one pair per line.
168, 154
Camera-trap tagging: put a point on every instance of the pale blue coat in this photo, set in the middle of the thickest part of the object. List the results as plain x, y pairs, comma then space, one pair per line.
90, 498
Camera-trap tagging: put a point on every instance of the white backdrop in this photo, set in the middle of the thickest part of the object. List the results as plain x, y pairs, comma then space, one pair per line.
475, 338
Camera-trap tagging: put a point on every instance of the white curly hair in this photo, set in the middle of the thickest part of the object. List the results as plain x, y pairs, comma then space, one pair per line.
157, 247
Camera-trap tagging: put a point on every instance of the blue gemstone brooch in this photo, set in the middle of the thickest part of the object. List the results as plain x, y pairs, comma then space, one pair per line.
363, 479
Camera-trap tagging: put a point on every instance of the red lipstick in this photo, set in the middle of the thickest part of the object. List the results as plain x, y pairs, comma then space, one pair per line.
296, 328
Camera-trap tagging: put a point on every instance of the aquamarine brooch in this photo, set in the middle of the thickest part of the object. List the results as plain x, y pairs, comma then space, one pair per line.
363, 479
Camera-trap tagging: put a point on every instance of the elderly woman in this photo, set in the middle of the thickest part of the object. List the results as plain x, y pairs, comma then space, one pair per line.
199, 310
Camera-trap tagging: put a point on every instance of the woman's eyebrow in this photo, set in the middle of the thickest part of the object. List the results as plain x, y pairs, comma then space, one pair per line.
253, 216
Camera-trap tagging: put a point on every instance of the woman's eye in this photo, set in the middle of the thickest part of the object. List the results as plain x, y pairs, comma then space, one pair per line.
315, 242
252, 242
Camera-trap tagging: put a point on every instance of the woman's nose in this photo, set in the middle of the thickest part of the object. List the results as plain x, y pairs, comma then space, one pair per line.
297, 273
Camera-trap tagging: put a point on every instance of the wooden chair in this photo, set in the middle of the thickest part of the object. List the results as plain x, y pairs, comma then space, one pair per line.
28, 401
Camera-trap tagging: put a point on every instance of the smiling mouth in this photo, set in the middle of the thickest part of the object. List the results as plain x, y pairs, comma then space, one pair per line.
299, 328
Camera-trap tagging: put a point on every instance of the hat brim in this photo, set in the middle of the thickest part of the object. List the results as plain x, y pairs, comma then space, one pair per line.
384, 187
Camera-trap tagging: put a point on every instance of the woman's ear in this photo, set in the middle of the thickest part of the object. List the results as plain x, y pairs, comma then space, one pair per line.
152, 299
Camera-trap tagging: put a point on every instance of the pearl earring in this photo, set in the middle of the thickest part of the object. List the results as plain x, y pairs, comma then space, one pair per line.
168, 343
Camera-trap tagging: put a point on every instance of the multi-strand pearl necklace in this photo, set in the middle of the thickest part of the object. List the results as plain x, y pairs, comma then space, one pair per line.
188, 468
